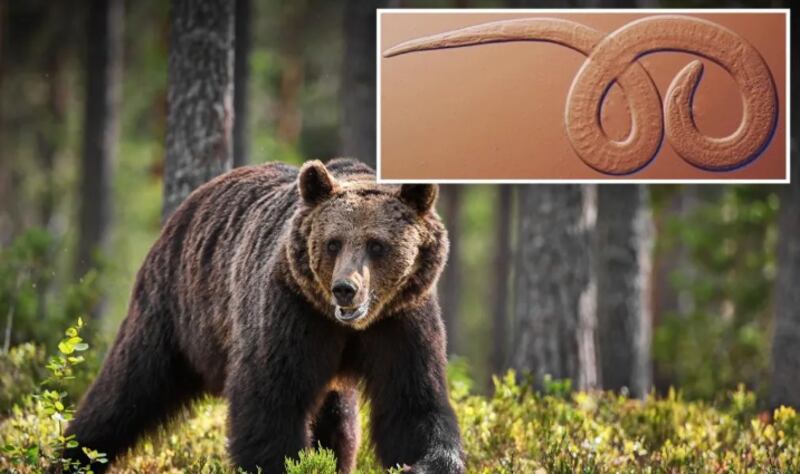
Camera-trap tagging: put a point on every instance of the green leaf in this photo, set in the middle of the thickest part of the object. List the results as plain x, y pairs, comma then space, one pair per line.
32, 454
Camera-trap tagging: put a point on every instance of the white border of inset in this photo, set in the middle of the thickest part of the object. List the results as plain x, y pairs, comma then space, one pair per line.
786, 107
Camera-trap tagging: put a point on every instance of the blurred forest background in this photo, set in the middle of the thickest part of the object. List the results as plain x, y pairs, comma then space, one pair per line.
632, 288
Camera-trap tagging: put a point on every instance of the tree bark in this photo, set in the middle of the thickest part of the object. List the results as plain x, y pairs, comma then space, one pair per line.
450, 284
502, 259
50, 132
241, 74
624, 249
6, 191
199, 97
103, 76
358, 81
293, 71
785, 388
556, 295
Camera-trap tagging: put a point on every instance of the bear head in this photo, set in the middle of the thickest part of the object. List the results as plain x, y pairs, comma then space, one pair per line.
361, 250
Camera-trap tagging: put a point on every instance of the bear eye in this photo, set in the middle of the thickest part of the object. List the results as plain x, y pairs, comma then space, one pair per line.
333, 246
376, 248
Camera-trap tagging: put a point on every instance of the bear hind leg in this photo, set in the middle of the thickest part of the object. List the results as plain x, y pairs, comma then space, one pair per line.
337, 427
142, 383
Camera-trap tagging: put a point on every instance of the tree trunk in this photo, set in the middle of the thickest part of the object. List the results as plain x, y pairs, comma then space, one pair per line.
358, 80
103, 75
199, 97
293, 70
51, 129
785, 388
450, 284
6, 191
241, 76
624, 264
502, 258
556, 295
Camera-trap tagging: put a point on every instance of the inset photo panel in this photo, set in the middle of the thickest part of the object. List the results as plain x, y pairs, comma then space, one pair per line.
595, 96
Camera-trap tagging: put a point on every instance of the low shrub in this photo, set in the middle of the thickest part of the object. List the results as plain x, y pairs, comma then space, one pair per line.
21, 371
38, 423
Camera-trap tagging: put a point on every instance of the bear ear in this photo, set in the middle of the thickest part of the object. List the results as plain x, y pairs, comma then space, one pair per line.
420, 197
315, 183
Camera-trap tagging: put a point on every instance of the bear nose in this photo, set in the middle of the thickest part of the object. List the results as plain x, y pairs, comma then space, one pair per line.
344, 291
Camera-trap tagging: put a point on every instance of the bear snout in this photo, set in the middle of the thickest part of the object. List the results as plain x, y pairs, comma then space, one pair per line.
344, 291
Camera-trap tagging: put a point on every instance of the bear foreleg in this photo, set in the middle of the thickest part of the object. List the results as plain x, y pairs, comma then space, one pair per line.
413, 423
276, 381
337, 427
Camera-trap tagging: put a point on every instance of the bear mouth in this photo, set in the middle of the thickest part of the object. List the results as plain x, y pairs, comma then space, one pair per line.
350, 314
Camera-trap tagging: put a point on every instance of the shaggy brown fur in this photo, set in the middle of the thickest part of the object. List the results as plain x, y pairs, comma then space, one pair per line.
283, 291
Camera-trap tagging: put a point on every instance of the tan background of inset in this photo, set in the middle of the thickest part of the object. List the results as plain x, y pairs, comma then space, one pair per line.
496, 111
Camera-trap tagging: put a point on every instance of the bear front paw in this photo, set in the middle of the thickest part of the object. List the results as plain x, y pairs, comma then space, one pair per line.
443, 462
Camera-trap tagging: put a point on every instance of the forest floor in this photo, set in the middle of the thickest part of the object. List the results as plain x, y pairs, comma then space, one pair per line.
514, 430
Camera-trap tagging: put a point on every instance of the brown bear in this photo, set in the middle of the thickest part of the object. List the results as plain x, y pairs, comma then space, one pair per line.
286, 292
